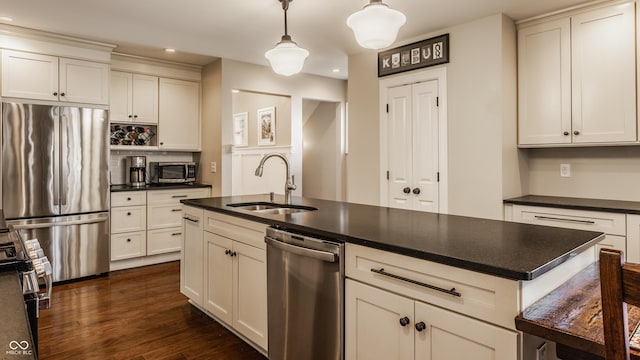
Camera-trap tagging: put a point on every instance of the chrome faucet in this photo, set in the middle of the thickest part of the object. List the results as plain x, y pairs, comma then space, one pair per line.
288, 185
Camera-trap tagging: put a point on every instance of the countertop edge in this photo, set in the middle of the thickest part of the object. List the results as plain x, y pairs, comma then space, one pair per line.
558, 202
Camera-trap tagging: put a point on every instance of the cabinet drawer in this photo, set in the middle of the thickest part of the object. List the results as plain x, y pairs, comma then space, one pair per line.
164, 240
482, 296
129, 218
174, 196
608, 223
163, 216
128, 245
245, 231
128, 198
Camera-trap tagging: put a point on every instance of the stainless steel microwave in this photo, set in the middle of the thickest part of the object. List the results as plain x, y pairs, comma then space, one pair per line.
172, 172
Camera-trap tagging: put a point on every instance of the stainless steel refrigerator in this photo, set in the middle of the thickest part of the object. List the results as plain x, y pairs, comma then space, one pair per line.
55, 183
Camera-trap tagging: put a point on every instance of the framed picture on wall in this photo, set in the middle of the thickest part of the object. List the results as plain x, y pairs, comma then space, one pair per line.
267, 126
240, 129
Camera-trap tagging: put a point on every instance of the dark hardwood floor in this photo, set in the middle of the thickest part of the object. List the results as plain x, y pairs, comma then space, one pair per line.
133, 314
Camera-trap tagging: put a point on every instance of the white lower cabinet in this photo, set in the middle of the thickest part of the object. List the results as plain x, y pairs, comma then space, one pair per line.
192, 255
235, 274
383, 325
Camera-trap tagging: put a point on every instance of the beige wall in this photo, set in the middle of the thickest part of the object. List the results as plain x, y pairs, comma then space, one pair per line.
597, 172
481, 82
250, 102
225, 75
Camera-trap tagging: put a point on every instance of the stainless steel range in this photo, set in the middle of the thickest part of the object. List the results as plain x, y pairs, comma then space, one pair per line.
27, 260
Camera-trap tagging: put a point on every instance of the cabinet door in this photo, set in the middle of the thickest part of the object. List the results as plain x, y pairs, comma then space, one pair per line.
448, 335
604, 75
544, 83
164, 240
250, 293
121, 96
633, 238
163, 216
84, 81
128, 218
192, 257
145, 99
128, 245
219, 277
372, 324
31, 76
179, 124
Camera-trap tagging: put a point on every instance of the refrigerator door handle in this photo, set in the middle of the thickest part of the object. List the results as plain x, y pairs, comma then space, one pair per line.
65, 161
61, 223
56, 160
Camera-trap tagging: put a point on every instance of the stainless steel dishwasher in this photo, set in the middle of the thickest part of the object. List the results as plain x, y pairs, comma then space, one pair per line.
305, 287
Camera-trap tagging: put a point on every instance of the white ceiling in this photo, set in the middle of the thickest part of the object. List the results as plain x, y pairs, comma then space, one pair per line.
202, 30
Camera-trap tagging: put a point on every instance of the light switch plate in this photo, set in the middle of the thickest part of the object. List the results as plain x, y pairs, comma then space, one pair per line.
214, 167
565, 170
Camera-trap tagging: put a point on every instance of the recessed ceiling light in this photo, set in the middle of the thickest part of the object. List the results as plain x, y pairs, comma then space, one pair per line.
335, 70
170, 50
6, 19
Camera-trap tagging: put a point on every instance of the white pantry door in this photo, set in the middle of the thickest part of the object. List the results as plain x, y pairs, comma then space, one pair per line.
412, 132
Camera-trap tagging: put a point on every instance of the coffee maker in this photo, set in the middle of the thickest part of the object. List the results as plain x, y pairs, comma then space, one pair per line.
137, 171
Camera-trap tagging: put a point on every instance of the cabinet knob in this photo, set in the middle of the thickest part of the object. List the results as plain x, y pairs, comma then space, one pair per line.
421, 326
55, 93
130, 116
406, 190
576, 132
128, 214
416, 191
128, 240
233, 253
404, 321
566, 133
61, 94
135, 116
128, 199
227, 251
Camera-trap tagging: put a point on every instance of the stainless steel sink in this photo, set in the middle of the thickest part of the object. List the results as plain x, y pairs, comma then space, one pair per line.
271, 208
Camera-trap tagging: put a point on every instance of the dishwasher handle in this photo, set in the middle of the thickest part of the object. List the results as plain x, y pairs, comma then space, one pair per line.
302, 251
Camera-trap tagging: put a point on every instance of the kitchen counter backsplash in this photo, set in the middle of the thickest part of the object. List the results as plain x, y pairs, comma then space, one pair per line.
616, 206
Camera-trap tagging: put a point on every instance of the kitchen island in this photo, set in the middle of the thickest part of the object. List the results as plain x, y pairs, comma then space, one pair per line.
498, 267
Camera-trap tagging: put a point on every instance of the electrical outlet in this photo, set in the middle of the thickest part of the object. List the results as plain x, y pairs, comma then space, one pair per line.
214, 167
565, 170
541, 352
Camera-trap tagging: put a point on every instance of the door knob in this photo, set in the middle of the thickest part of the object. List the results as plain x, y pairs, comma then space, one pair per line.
406, 190
416, 191
404, 321
421, 326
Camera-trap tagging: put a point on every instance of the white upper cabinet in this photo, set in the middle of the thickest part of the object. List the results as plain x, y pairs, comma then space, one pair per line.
134, 98
179, 122
576, 78
43, 77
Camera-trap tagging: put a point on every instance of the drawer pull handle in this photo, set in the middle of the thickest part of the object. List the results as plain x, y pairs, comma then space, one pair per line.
452, 292
176, 210
587, 222
176, 234
179, 196
190, 219
404, 321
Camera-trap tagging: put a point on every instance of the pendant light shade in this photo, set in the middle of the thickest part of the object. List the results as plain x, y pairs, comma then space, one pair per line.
376, 25
287, 58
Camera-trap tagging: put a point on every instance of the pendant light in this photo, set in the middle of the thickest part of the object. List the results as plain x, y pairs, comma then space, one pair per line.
376, 25
286, 58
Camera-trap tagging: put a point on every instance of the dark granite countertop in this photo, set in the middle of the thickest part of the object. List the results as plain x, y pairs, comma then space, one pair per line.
510, 250
15, 335
617, 206
125, 187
